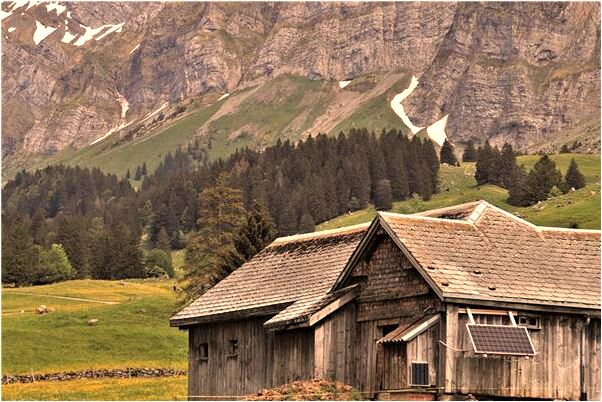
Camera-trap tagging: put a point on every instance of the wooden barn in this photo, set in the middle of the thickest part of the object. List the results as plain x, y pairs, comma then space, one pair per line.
465, 301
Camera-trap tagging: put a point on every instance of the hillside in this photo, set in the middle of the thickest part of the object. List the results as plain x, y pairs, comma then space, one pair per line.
132, 331
95, 83
457, 186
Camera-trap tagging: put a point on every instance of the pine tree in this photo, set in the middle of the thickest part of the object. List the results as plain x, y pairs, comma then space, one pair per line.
143, 170
221, 215
542, 178
138, 174
163, 240
447, 154
506, 165
470, 153
306, 223
518, 192
127, 174
20, 257
486, 166
383, 199
574, 178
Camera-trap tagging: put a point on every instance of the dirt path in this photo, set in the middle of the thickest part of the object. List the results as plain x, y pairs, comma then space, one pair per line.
65, 297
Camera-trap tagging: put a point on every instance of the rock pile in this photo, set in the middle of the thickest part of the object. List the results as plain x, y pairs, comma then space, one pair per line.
103, 373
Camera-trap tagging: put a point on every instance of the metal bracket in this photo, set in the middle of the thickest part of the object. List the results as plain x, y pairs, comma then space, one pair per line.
512, 318
470, 317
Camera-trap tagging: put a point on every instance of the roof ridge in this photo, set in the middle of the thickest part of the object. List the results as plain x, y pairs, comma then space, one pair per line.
425, 218
321, 233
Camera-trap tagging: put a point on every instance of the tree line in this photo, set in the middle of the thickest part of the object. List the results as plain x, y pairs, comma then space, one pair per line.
108, 230
544, 180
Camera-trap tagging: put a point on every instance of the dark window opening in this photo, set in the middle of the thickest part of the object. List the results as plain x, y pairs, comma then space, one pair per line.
203, 352
420, 374
530, 322
233, 348
387, 329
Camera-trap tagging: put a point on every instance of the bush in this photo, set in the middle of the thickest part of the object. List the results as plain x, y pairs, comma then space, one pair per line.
54, 266
161, 259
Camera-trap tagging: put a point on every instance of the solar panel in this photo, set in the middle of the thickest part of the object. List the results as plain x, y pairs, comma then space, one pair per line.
500, 340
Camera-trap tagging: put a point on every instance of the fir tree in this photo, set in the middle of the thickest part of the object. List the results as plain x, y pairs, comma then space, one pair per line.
470, 153
506, 165
542, 178
138, 174
221, 215
574, 178
54, 266
127, 174
20, 257
447, 154
383, 199
143, 169
518, 192
163, 240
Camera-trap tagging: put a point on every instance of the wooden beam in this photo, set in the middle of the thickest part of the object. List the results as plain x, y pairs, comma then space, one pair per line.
333, 306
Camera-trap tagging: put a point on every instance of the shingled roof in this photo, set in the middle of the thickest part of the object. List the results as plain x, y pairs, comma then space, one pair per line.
291, 276
470, 252
487, 254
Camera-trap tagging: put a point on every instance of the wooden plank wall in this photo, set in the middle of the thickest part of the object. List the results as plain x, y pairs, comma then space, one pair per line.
225, 376
293, 358
335, 345
392, 292
424, 348
553, 373
592, 352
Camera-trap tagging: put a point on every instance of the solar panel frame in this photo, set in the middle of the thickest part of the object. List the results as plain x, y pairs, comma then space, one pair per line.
497, 352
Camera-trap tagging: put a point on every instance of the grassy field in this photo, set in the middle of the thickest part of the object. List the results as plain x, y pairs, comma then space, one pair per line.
108, 389
132, 331
457, 186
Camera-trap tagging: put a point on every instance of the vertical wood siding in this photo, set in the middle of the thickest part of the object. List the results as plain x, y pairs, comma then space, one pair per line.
553, 373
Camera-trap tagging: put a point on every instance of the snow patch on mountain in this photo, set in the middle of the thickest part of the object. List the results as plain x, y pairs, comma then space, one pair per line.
42, 32
111, 131
68, 37
11, 29
59, 8
436, 131
113, 28
398, 107
90, 33
125, 105
148, 116
135, 48
343, 84
224, 96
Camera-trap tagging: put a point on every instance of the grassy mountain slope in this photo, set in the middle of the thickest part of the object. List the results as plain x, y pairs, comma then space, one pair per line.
286, 107
457, 186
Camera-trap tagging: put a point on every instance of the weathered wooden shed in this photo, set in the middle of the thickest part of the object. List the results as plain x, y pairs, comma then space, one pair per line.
438, 305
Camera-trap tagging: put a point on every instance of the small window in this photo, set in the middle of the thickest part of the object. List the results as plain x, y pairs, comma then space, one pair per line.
387, 329
233, 348
420, 374
203, 352
531, 322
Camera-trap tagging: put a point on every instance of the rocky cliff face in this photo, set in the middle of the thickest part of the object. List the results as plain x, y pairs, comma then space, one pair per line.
513, 71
